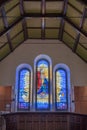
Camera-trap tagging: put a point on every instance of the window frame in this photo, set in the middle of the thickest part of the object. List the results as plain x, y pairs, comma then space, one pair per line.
68, 86
48, 59
18, 70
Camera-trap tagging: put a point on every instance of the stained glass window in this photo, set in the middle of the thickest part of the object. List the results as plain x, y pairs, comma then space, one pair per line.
61, 89
45, 94
42, 85
23, 99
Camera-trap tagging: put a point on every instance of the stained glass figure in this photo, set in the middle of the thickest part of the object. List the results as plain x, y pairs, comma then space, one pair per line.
42, 85
61, 90
24, 89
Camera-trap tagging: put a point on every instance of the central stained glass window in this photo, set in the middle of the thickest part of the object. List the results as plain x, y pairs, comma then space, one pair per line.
24, 89
47, 91
42, 85
61, 89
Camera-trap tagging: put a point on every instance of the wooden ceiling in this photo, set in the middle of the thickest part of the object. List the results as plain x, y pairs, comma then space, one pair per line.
64, 20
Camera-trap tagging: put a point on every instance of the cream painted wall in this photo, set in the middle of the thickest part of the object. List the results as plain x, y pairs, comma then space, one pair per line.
58, 52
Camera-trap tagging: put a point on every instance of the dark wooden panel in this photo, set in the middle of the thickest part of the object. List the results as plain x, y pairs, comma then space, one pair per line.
45, 121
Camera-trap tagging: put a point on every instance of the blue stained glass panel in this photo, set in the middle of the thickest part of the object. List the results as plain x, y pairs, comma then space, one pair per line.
42, 89
61, 90
24, 90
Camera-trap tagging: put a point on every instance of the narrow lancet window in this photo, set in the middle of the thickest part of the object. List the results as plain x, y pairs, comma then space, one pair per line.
42, 84
23, 88
43, 88
61, 89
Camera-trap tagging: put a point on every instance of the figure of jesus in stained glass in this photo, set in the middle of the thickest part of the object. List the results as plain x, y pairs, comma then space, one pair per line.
42, 92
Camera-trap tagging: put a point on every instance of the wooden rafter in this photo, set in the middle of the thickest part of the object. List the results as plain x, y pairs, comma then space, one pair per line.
42, 15
78, 35
24, 26
11, 26
6, 26
43, 10
3, 1
75, 26
62, 20
43, 28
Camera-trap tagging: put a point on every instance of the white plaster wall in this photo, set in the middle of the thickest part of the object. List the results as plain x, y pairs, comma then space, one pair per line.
27, 52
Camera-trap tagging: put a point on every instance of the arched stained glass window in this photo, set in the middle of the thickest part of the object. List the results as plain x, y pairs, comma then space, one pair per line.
42, 82
43, 87
23, 89
61, 89
43, 96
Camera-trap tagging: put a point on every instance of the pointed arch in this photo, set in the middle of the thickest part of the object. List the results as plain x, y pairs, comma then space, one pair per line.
23, 89
62, 89
43, 82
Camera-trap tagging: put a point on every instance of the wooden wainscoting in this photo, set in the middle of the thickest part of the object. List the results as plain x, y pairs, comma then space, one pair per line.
45, 121
80, 99
5, 98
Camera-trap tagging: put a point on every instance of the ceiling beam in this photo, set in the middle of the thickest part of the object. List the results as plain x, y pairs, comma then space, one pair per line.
21, 7
24, 26
3, 1
74, 7
83, 17
43, 11
81, 26
46, 0
43, 7
9, 42
25, 29
61, 30
60, 15
76, 43
10, 27
24, 16
51, 15
75, 26
43, 28
83, 2
62, 24
6, 26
